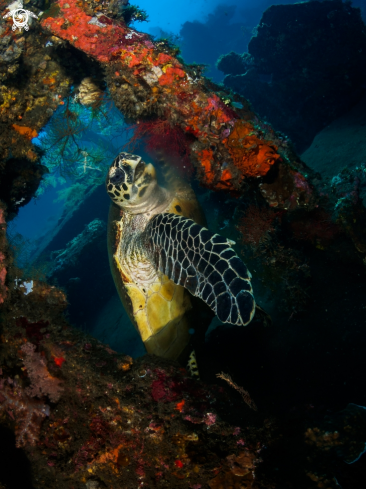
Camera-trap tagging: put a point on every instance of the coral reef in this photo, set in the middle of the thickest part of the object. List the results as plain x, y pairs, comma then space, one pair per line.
37, 71
42, 383
162, 140
117, 421
304, 67
148, 84
27, 413
254, 163
289, 189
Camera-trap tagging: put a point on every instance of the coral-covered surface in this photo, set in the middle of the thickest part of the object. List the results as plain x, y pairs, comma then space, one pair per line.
36, 74
86, 416
148, 84
84, 413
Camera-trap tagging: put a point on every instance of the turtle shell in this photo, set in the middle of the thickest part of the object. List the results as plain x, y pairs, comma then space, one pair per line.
161, 311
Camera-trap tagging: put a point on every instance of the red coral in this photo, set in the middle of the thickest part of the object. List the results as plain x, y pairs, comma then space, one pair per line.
42, 382
257, 225
164, 389
159, 136
73, 25
59, 361
171, 75
163, 59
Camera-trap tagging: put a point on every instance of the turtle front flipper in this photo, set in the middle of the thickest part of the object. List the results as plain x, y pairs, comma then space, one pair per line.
202, 262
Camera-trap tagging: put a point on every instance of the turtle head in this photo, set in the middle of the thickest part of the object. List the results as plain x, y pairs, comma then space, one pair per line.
130, 182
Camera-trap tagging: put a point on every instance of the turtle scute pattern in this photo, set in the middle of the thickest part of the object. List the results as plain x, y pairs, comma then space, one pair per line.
202, 262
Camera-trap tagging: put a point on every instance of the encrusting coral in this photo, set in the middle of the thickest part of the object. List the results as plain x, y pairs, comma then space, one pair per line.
26, 412
42, 383
225, 143
115, 420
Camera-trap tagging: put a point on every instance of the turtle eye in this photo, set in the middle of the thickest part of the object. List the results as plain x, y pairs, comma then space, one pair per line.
139, 170
118, 177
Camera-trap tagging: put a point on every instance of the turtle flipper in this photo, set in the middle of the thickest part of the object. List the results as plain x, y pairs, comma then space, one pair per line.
202, 262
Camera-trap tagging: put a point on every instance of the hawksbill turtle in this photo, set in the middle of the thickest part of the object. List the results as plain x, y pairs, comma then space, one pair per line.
162, 258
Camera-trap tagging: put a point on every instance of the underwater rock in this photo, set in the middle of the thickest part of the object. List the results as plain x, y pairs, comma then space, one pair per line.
22, 105
308, 59
343, 433
19, 181
343, 171
10, 50
341, 144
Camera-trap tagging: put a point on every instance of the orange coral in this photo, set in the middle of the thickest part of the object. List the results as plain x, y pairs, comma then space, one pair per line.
208, 112
137, 57
253, 156
49, 81
28, 132
226, 175
171, 75
206, 160
218, 109
238, 474
31, 155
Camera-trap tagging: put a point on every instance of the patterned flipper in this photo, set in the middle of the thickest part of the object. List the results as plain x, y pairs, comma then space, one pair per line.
204, 263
